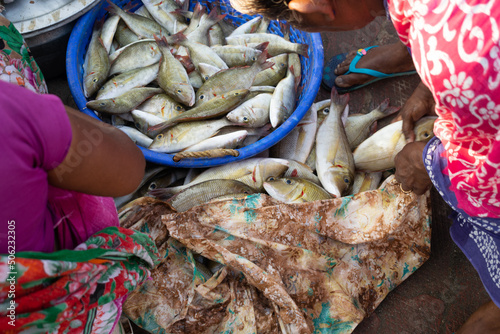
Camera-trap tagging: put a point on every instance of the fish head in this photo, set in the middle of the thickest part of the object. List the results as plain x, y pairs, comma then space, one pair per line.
341, 179
284, 189
424, 128
159, 142
322, 113
184, 93
202, 97
100, 105
92, 83
268, 167
240, 115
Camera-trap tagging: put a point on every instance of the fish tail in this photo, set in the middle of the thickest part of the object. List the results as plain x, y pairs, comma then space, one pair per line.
128, 6
178, 38
183, 13
112, 8
285, 29
198, 11
261, 61
162, 193
215, 17
162, 42
335, 97
302, 49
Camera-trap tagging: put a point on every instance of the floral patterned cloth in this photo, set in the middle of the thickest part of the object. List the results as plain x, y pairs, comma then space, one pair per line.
456, 50
16, 63
74, 291
478, 238
256, 265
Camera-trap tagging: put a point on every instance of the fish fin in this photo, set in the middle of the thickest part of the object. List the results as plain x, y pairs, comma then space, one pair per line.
373, 127
302, 50
262, 46
291, 70
345, 114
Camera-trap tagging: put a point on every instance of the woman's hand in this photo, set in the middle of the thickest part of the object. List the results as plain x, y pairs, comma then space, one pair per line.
419, 104
410, 169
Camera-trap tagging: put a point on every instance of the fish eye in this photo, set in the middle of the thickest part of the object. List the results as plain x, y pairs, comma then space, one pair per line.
245, 119
178, 108
179, 91
426, 134
236, 94
102, 104
95, 80
206, 77
202, 97
152, 186
326, 111
254, 59
282, 65
288, 181
160, 136
346, 180
270, 178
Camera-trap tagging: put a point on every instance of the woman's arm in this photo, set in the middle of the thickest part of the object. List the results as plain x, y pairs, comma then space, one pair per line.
101, 160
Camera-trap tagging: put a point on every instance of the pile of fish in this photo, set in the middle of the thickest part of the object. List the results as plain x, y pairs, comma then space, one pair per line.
175, 80
329, 154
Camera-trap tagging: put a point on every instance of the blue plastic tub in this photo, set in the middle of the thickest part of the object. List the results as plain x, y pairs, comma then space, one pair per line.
309, 86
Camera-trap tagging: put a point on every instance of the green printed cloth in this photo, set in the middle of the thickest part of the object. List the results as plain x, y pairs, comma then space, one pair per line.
74, 291
260, 266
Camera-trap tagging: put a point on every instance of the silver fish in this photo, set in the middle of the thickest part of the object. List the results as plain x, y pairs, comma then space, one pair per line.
298, 143
248, 27
199, 53
140, 25
125, 102
377, 153
252, 113
277, 44
183, 135
162, 12
252, 171
283, 100
365, 181
143, 120
239, 55
162, 106
135, 55
334, 160
203, 192
230, 79
357, 126
124, 82
96, 66
271, 76
172, 76
137, 136
228, 141
108, 31
295, 190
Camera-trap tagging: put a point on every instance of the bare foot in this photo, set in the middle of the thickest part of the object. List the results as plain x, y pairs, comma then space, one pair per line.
485, 320
391, 58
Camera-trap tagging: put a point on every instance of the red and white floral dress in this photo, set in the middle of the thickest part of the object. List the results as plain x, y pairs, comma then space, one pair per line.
455, 46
